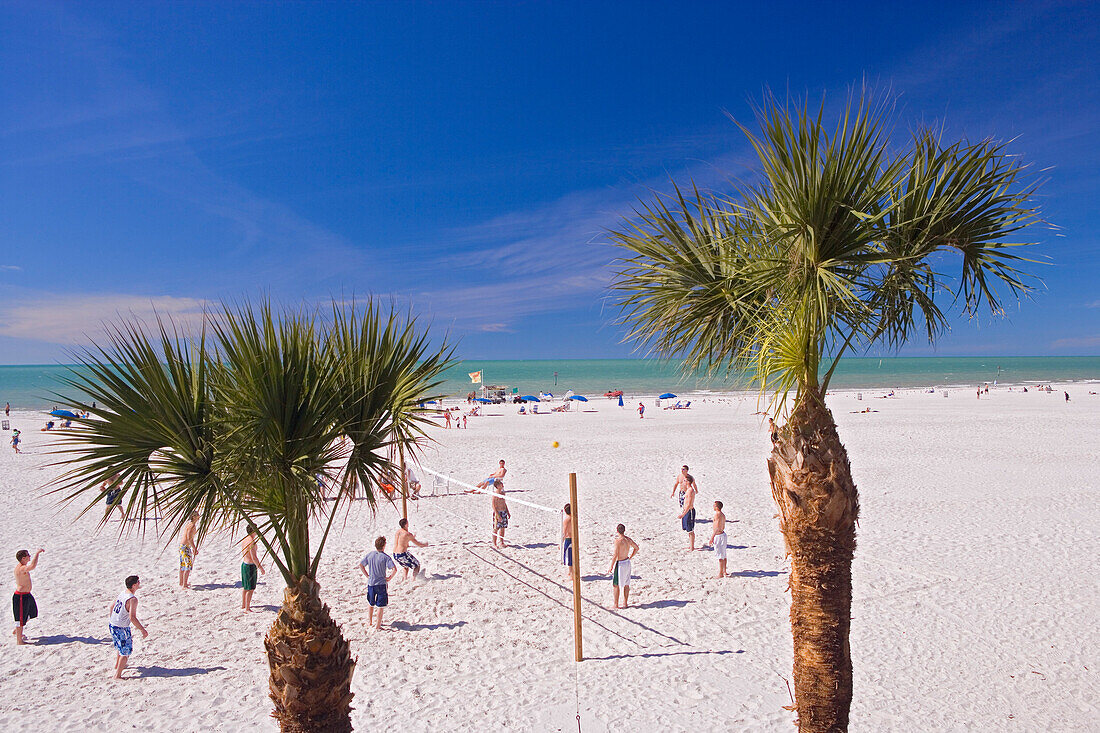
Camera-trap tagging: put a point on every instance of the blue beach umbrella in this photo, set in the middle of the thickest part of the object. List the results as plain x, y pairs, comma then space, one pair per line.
482, 399
667, 396
530, 398
578, 398
63, 413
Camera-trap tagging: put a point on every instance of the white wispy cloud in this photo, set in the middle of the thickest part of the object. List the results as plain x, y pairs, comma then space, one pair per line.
1077, 342
1093, 304
72, 319
11, 268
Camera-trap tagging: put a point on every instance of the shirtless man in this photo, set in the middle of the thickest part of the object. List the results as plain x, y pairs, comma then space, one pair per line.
685, 484
497, 475
189, 549
23, 607
718, 538
500, 513
250, 562
625, 549
567, 541
401, 554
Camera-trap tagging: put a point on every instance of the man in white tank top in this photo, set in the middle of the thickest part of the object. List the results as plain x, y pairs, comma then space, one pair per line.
124, 612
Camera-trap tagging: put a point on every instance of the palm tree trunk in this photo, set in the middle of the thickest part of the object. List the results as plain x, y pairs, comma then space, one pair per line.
818, 508
311, 665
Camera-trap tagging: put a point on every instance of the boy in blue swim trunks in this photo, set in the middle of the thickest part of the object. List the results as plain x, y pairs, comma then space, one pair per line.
379, 570
567, 541
124, 611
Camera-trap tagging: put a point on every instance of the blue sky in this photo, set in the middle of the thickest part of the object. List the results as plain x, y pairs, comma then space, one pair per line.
466, 158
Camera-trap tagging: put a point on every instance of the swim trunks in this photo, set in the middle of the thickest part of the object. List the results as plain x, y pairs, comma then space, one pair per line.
378, 596
406, 560
248, 576
502, 519
688, 520
23, 607
567, 552
621, 577
112, 496
123, 638
187, 557
720, 545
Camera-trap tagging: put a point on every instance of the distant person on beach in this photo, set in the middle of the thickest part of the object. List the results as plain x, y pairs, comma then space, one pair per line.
463, 422
685, 485
123, 613
567, 540
7, 409
23, 607
188, 549
625, 550
412, 482
113, 497
774, 430
500, 514
979, 393
379, 569
15, 440
250, 563
641, 410
447, 418
1067, 396
497, 475
718, 538
401, 554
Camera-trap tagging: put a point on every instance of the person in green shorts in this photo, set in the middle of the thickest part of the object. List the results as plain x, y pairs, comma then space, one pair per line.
250, 563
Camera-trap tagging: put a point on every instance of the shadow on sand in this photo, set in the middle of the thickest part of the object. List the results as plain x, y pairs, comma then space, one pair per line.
215, 586
670, 603
405, 626
668, 654
156, 671
65, 639
757, 573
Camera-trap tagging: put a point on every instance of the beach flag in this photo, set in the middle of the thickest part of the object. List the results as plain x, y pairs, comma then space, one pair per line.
475, 377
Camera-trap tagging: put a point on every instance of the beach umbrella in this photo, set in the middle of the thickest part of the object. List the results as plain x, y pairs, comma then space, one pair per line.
578, 398
482, 399
667, 396
63, 413
530, 398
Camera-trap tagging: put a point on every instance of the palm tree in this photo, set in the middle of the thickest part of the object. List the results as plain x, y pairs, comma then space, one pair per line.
247, 424
838, 246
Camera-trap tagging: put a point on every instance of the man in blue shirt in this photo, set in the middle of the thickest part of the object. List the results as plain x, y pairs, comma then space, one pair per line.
379, 569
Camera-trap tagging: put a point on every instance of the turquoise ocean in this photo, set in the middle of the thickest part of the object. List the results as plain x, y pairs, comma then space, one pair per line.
30, 387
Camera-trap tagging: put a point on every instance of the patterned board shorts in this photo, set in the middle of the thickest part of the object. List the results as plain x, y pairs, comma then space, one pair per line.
123, 638
501, 520
187, 557
406, 560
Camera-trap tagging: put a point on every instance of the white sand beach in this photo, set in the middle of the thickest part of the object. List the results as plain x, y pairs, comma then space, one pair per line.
976, 601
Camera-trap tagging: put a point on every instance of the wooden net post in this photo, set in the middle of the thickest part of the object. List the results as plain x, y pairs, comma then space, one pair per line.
574, 515
404, 483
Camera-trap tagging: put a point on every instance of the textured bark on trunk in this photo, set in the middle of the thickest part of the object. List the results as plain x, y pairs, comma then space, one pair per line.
818, 508
311, 665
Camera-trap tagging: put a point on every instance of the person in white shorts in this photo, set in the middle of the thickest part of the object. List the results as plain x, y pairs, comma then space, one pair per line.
718, 538
625, 549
